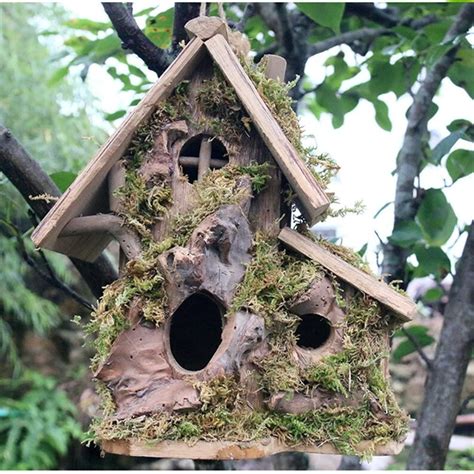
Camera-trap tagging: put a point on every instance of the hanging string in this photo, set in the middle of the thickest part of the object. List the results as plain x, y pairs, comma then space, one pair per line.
202, 10
220, 9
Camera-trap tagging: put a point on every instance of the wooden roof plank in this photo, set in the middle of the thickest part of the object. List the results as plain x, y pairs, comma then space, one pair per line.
311, 196
75, 200
401, 305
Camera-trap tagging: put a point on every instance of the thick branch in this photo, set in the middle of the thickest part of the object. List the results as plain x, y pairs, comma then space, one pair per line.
134, 39
410, 156
371, 12
183, 12
437, 419
30, 180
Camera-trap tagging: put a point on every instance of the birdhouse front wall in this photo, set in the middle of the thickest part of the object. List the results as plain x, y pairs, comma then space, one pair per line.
214, 333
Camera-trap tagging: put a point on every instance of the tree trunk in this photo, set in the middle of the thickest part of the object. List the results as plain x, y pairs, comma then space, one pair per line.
445, 381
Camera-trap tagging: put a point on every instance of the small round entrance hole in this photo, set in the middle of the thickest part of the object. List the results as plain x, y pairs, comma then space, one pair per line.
313, 331
196, 331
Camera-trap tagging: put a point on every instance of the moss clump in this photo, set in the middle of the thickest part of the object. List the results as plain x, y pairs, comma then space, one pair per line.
216, 189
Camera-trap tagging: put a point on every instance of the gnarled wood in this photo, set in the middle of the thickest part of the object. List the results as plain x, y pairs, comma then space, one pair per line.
105, 223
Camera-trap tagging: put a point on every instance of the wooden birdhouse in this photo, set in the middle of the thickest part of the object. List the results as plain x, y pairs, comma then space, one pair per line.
227, 335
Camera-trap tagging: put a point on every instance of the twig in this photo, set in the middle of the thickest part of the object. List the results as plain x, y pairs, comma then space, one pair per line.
50, 277
248, 13
134, 39
419, 349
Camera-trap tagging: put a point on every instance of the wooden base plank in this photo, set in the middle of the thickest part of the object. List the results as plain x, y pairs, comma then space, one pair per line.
229, 449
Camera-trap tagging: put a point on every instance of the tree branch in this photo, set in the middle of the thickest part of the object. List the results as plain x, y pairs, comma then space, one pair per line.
365, 34
372, 13
418, 348
134, 39
30, 180
249, 12
50, 276
410, 156
444, 384
183, 12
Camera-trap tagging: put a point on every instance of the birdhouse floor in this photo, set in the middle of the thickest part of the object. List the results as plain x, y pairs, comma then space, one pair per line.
232, 450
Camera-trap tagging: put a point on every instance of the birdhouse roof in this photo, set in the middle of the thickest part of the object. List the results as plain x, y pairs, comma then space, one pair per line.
396, 303
88, 195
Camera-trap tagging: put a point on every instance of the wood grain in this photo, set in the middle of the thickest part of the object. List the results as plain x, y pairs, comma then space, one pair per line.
275, 67
78, 198
402, 306
229, 449
312, 197
205, 27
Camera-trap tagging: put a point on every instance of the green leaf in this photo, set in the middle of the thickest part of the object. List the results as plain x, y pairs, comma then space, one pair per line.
460, 163
406, 347
362, 250
436, 218
445, 145
462, 71
324, 14
58, 76
88, 25
159, 28
432, 260
405, 234
466, 126
433, 295
115, 115
63, 179
381, 115
386, 77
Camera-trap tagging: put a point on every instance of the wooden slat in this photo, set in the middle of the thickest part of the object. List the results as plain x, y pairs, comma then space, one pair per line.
275, 67
313, 199
402, 306
75, 200
232, 449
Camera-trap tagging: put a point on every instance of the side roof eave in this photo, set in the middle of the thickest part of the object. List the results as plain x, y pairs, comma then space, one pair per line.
77, 199
402, 306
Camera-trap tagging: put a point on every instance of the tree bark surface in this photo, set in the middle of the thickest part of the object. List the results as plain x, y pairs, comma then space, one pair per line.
445, 381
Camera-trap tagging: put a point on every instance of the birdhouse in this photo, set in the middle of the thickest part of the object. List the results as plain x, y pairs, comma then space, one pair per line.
228, 334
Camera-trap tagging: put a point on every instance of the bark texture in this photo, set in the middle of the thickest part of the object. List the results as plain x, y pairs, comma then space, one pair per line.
30, 180
445, 381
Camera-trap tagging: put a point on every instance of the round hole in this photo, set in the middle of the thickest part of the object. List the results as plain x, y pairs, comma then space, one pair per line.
313, 331
196, 331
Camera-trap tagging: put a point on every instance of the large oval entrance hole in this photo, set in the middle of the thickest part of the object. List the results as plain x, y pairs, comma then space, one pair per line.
313, 331
196, 331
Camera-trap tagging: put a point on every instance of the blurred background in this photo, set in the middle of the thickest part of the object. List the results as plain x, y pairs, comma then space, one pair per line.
66, 82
